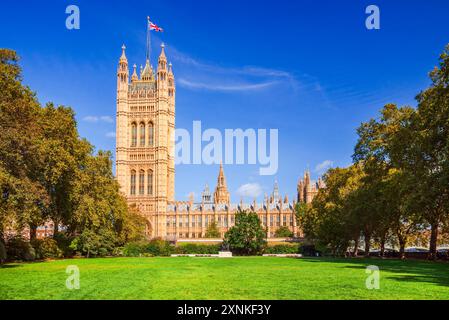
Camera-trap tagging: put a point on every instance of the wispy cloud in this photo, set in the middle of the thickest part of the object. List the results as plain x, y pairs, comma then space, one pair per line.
323, 166
224, 87
213, 77
110, 134
251, 190
94, 119
108, 119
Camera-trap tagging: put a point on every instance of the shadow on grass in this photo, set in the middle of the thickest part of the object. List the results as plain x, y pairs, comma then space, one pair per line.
9, 266
400, 270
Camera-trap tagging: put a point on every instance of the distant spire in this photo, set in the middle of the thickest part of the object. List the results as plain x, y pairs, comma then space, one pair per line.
123, 56
134, 76
162, 55
221, 194
276, 191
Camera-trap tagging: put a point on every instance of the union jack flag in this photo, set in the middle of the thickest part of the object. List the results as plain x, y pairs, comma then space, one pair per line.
153, 26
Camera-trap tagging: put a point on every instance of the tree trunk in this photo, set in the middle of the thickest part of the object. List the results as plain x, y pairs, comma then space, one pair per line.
433, 242
55, 228
356, 247
367, 245
402, 241
382, 246
33, 232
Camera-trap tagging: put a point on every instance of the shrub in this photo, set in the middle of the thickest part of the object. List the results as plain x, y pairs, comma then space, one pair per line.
193, 248
282, 249
134, 249
159, 247
18, 248
46, 248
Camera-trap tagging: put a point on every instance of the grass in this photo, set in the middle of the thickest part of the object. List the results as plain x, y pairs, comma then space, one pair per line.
214, 278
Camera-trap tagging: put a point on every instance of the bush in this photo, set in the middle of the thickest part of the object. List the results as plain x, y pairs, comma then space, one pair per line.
159, 247
46, 248
154, 248
18, 248
94, 243
282, 249
193, 248
134, 249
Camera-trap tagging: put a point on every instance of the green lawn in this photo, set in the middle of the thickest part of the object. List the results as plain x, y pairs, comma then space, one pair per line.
236, 278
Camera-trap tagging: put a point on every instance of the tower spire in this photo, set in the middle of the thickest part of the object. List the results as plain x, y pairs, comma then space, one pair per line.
221, 194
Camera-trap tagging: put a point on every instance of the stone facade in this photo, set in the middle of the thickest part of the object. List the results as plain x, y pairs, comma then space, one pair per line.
145, 166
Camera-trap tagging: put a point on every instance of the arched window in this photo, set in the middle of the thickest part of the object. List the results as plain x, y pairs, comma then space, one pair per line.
133, 135
141, 182
142, 134
150, 182
150, 134
133, 183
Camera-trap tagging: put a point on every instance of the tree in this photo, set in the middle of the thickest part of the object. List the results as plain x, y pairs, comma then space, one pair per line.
131, 226
247, 236
94, 243
429, 153
22, 196
382, 148
212, 231
283, 232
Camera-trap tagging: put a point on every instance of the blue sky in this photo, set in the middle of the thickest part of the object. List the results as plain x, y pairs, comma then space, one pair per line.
307, 68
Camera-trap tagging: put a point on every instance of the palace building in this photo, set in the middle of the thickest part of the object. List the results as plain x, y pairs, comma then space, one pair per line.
145, 164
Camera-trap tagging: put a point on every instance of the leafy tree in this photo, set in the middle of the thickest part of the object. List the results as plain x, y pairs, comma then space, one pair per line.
94, 243
283, 232
247, 236
331, 220
428, 155
22, 196
131, 225
212, 231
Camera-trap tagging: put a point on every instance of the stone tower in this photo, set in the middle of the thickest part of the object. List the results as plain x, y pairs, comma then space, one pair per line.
145, 164
221, 194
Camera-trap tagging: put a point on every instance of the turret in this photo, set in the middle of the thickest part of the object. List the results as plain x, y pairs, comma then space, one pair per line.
221, 194
171, 83
134, 76
162, 72
122, 72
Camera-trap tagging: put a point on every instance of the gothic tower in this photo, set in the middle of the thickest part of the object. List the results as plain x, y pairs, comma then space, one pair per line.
221, 194
145, 165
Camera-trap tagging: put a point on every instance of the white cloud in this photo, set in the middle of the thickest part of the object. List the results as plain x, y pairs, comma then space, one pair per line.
107, 119
323, 166
251, 190
90, 119
213, 77
110, 134
223, 87
95, 119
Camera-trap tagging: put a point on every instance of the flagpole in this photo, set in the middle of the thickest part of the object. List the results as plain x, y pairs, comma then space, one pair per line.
148, 39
